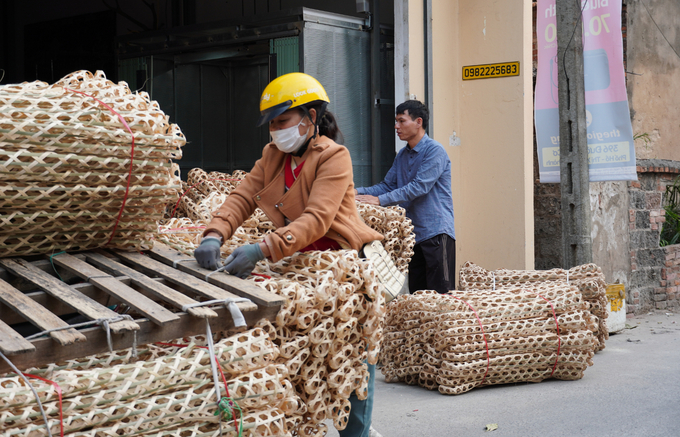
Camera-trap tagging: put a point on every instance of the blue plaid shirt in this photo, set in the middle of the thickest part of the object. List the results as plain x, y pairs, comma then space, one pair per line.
420, 182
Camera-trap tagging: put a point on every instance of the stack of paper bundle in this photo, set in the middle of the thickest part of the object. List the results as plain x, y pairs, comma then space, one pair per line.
588, 278
168, 391
83, 163
456, 342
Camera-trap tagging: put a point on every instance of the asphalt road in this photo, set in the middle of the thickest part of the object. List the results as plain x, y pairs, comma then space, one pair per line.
633, 389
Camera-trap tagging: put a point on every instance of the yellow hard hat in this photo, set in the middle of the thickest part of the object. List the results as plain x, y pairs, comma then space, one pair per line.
289, 91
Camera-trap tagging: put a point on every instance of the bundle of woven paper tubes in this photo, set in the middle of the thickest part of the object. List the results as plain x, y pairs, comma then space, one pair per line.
331, 322
68, 180
522, 331
588, 278
168, 391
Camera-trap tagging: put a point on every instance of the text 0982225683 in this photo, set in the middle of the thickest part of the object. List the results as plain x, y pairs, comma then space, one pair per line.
487, 71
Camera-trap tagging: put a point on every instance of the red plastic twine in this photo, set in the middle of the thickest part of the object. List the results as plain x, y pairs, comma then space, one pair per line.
61, 410
261, 275
486, 344
559, 339
174, 210
132, 157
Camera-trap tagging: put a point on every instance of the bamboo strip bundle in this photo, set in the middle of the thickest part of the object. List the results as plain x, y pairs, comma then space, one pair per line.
470, 338
205, 192
270, 422
328, 329
172, 392
195, 399
588, 278
331, 323
246, 351
70, 174
392, 223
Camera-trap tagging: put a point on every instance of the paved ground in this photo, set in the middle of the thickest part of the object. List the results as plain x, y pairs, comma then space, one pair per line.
633, 389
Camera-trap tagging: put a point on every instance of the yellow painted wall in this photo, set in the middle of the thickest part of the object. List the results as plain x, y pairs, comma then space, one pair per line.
446, 104
492, 168
416, 48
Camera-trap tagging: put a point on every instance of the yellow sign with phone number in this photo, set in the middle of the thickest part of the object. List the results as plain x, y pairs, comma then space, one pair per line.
487, 71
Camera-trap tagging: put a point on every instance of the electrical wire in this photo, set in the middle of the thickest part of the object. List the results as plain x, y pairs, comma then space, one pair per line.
145, 81
564, 56
35, 393
659, 29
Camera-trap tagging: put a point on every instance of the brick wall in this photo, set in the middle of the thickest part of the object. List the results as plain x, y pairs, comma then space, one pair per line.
651, 265
668, 293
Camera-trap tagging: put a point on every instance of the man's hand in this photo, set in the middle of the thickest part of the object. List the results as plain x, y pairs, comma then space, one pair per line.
365, 198
208, 253
242, 260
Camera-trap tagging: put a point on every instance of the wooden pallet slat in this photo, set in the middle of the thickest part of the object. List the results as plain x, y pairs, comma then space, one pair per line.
185, 280
79, 302
142, 304
47, 351
38, 315
42, 264
11, 343
233, 284
57, 307
31, 292
161, 291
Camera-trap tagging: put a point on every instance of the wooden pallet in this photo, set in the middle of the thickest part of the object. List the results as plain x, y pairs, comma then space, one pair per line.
90, 283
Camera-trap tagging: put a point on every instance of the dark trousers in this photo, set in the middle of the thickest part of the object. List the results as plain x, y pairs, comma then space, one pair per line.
433, 265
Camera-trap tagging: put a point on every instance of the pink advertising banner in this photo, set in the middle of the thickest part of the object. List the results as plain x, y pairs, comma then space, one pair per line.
611, 152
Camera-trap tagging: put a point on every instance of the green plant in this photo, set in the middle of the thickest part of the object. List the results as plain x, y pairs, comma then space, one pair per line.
644, 137
670, 232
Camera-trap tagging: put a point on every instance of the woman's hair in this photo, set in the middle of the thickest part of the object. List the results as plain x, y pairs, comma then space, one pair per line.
328, 125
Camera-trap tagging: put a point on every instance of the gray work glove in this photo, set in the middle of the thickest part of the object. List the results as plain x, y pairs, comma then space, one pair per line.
208, 253
242, 261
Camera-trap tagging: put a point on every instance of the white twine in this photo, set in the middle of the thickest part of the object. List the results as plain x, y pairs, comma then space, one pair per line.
493, 276
212, 273
177, 261
213, 365
105, 324
567, 277
230, 302
101, 322
239, 321
42, 411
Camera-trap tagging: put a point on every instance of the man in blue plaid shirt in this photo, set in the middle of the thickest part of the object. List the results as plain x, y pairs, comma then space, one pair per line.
420, 182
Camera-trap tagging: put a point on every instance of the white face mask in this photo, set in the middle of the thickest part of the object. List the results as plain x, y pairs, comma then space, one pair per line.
288, 140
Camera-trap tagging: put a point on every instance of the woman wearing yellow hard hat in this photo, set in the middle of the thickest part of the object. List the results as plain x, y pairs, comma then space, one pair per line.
304, 184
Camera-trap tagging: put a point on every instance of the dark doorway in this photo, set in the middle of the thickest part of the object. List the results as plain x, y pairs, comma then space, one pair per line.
56, 48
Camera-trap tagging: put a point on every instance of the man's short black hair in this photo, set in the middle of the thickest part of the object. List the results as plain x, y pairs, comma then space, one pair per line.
415, 109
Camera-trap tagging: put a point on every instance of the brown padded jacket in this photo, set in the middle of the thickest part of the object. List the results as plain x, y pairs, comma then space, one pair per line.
320, 202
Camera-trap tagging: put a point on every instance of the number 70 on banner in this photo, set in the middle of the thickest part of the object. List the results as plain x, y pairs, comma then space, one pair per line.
596, 24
